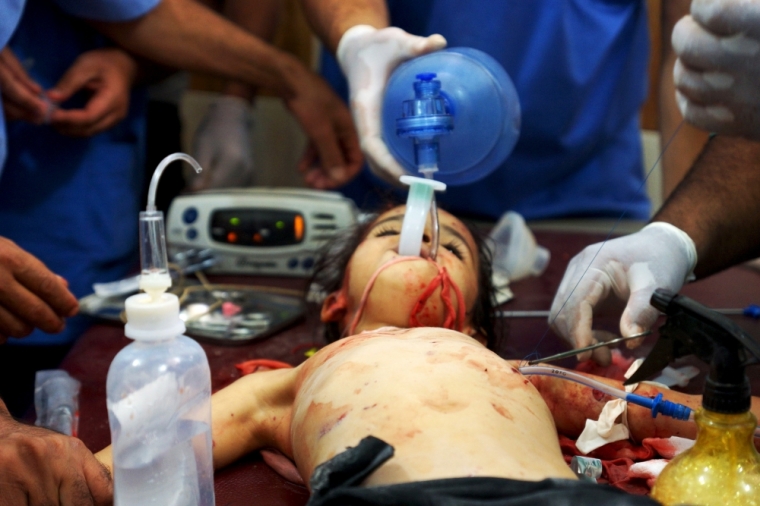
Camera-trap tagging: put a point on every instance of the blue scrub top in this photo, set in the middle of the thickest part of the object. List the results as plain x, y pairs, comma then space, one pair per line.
580, 69
72, 202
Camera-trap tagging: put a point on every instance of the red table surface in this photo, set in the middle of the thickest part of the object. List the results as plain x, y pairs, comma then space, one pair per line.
251, 481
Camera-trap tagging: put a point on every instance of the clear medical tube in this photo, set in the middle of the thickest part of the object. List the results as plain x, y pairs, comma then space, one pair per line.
418, 205
657, 405
155, 278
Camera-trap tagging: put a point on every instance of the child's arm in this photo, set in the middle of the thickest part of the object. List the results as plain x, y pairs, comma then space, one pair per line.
251, 413
572, 403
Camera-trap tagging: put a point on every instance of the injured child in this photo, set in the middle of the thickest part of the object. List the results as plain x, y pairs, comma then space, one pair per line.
395, 415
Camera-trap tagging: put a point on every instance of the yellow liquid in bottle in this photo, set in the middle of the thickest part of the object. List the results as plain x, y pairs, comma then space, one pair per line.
722, 469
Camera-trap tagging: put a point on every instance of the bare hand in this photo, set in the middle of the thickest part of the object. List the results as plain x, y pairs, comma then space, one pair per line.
108, 74
41, 467
20, 93
333, 156
30, 295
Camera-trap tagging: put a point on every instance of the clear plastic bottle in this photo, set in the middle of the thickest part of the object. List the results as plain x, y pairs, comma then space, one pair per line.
159, 409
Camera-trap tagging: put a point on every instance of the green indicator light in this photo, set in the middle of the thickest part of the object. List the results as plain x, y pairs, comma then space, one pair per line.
280, 224
235, 221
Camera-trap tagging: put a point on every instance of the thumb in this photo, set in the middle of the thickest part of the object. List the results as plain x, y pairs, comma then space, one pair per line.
72, 81
99, 481
425, 45
639, 315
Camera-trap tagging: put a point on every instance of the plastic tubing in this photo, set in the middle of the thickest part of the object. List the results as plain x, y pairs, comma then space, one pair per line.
418, 206
160, 170
656, 405
155, 277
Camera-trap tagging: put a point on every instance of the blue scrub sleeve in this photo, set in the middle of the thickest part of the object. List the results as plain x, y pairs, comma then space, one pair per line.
10, 13
107, 10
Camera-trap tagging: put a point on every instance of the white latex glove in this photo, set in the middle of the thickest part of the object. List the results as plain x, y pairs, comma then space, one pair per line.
222, 146
717, 74
367, 57
632, 267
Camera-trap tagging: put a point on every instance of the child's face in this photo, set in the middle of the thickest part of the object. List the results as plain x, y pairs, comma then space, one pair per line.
398, 287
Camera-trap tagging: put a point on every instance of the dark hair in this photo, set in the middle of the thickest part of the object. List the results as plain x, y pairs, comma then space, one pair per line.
333, 258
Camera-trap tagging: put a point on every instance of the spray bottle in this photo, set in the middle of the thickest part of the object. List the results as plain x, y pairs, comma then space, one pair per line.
159, 388
723, 466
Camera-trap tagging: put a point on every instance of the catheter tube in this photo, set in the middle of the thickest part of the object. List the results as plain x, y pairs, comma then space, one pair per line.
656, 405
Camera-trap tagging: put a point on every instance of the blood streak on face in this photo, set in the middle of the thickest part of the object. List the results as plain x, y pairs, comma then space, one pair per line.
417, 292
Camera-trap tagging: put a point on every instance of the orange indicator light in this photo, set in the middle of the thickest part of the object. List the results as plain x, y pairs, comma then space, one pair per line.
257, 237
298, 227
232, 237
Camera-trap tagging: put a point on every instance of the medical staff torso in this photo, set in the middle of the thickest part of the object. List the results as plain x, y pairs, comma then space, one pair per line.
580, 69
449, 407
72, 202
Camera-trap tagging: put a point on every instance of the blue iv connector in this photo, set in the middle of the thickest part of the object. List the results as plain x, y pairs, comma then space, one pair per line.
657, 405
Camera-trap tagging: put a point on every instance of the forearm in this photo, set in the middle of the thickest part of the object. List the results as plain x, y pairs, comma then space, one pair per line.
187, 35
251, 413
260, 19
572, 404
717, 204
683, 148
331, 18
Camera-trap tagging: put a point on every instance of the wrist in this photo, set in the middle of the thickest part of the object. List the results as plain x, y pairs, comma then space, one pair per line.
683, 240
346, 41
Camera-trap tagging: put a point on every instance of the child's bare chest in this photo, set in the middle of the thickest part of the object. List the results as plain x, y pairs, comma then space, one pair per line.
447, 405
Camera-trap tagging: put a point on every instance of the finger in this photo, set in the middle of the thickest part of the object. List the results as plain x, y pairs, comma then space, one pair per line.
88, 129
713, 118
309, 159
727, 16
703, 50
14, 91
30, 309
74, 492
581, 333
603, 355
328, 149
99, 481
74, 79
12, 326
47, 286
18, 71
16, 113
703, 87
639, 316
84, 121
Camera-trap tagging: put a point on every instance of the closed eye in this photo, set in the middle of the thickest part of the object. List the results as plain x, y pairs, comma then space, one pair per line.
385, 231
455, 249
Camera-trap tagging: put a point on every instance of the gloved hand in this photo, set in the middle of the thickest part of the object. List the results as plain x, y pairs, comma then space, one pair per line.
222, 146
368, 56
717, 74
632, 267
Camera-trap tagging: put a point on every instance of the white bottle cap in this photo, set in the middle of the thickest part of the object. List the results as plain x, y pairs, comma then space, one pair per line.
153, 320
